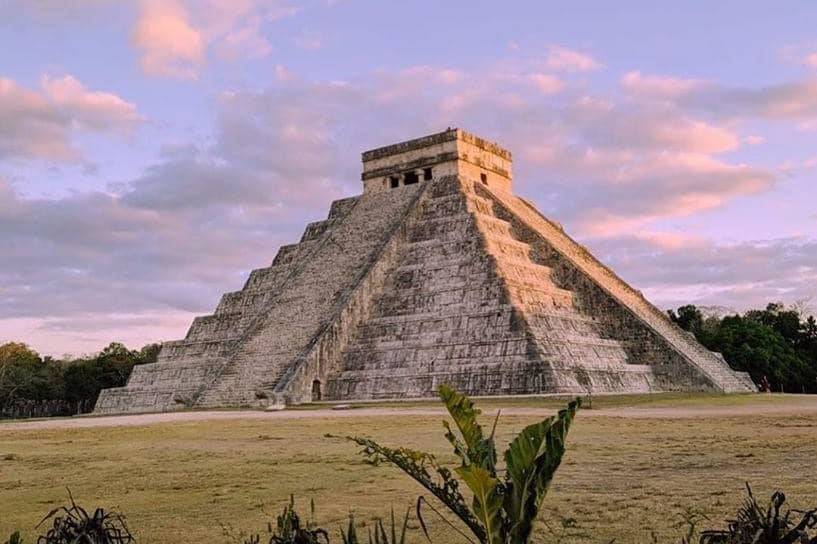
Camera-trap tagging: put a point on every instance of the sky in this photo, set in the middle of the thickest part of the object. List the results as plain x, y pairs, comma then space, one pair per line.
153, 152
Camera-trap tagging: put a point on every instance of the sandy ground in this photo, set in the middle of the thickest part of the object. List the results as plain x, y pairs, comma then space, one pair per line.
800, 405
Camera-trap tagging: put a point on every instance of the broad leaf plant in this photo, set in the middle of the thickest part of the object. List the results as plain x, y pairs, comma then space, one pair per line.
504, 506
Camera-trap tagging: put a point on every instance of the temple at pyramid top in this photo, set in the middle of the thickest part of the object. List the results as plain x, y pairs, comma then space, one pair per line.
436, 274
448, 153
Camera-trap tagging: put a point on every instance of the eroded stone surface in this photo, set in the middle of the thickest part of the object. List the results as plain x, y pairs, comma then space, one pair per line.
451, 279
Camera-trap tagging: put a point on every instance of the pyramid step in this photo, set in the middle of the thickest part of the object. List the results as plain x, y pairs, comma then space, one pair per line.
422, 317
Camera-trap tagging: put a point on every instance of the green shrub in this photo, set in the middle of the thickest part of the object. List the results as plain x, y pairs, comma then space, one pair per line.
503, 510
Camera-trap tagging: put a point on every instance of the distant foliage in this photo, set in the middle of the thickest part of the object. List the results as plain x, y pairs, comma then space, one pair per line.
34, 386
777, 345
503, 509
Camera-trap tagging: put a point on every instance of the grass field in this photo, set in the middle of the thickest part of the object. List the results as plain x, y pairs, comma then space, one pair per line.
622, 476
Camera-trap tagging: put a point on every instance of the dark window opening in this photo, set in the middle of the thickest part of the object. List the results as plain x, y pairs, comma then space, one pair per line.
410, 178
484, 178
395, 182
426, 174
316, 390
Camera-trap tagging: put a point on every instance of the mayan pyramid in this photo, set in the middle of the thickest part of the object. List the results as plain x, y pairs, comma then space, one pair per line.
436, 274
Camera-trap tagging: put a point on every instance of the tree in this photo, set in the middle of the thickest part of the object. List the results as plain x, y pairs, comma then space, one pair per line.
752, 346
24, 375
786, 322
85, 378
688, 317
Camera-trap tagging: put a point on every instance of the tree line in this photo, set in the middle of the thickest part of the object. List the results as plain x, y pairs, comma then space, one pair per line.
31, 385
777, 346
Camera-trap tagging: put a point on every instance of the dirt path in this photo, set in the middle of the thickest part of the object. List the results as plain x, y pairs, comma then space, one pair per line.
796, 406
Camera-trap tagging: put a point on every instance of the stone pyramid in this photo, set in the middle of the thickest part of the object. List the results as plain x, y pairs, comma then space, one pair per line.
436, 274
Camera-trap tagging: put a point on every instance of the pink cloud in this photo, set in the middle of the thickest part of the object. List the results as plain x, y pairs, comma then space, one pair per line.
86, 334
170, 45
667, 185
32, 127
658, 86
95, 109
175, 37
692, 135
567, 60
547, 84
246, 41
671, 240
811, 60
40, 124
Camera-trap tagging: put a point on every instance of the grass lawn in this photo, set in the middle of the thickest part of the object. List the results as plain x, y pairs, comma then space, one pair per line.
622, 477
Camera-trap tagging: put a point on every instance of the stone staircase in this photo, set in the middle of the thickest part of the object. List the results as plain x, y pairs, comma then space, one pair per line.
294, 318
580, 351
442, 317
186, 368
711, 367
450, 313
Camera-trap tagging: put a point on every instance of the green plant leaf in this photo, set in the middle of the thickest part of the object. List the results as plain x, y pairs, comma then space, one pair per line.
531, 462
477, 449
487, 501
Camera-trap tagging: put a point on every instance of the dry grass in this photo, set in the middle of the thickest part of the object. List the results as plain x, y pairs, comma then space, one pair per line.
622, 476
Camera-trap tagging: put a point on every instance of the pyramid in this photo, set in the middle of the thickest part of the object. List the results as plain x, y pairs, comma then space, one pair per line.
436, 274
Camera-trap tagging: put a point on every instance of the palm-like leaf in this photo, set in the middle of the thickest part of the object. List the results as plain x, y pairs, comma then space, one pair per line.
531, 461
476, 448
487, 501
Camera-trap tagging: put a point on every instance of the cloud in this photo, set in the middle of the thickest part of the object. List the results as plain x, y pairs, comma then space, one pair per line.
547, 84
740, 275
789, 101
786, 101
81, 334
40, 124
658, 86
169, 43
567, 60
90, 109
190, 227
662, 186
811, 60
195, 221
174, 37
